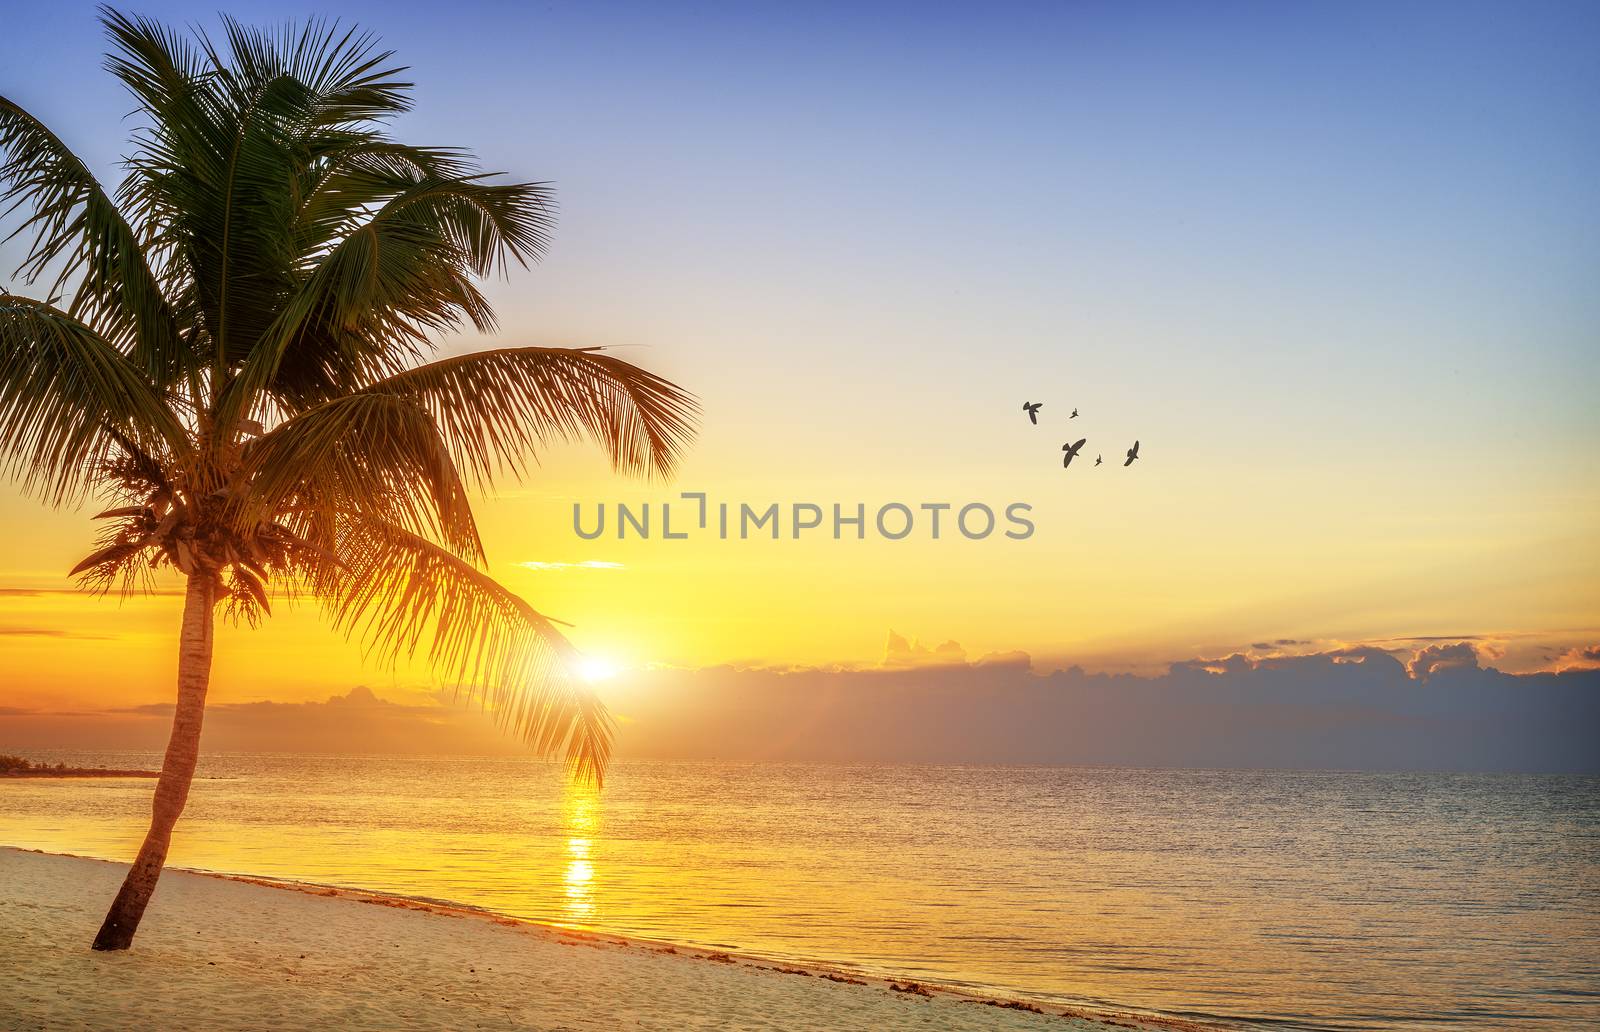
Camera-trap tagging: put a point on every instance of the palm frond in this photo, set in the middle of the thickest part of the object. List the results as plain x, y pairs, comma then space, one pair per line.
230, 141
377, 454
351, 80
289, 96
497, 409
75, 224
176, 163
396, 591
359, 174
372, 300
119, 558
67, 398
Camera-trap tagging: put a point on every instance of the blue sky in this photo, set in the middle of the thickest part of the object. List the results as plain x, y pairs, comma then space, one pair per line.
1413, 179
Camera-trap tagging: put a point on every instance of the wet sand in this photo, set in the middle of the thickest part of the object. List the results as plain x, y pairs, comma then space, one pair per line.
222, 952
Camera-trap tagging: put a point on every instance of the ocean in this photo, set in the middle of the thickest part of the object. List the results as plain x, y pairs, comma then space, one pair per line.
1303, 900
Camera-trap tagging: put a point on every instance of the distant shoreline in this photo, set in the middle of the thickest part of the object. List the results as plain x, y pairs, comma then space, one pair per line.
21, 767
78, 772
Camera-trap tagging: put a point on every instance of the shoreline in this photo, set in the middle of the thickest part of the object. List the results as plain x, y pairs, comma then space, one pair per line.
690, 964
80, 772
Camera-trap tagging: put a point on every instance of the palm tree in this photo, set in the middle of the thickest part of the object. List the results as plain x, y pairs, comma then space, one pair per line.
232, 348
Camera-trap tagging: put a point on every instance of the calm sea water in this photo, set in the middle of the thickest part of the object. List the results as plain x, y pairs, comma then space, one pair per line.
1307, 900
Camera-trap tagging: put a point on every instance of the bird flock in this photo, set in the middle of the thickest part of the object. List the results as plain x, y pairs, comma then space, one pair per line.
1072, 448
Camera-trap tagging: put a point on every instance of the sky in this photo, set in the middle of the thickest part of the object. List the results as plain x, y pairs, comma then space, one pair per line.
1331, 264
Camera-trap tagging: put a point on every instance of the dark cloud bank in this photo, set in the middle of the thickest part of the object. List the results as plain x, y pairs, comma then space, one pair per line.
357, 722
1433, 709
1358, 709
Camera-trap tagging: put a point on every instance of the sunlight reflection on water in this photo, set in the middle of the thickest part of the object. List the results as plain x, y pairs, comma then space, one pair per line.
581, 819
1327, 900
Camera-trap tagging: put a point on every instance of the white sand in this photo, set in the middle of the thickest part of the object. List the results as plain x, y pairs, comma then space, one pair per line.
218, 953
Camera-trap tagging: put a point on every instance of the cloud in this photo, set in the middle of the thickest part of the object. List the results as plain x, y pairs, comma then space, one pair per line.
1579, 657
358, 698
1287, 646
900, 654
1016, 658
1235, 663
50, 632
22, 592
587, 564
1514, 651
358, 721
1354, 708
1467, 651
1435, 637
1431, 660
1351, 708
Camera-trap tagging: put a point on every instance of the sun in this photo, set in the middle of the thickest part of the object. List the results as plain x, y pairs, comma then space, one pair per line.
596, 668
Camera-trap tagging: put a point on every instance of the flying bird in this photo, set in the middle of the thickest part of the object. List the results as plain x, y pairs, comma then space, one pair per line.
1074, 414
1098, 460
1133, 453
1032, 409
1072, 452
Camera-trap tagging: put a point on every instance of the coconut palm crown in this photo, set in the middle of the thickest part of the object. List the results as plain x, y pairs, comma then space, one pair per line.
233, 352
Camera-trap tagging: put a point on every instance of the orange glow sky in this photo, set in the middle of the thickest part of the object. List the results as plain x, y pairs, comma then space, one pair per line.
1354, 330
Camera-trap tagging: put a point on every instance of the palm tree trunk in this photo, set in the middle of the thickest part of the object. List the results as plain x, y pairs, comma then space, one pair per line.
183, 750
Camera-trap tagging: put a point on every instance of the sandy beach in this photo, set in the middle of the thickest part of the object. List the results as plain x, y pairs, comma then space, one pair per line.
229, 953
